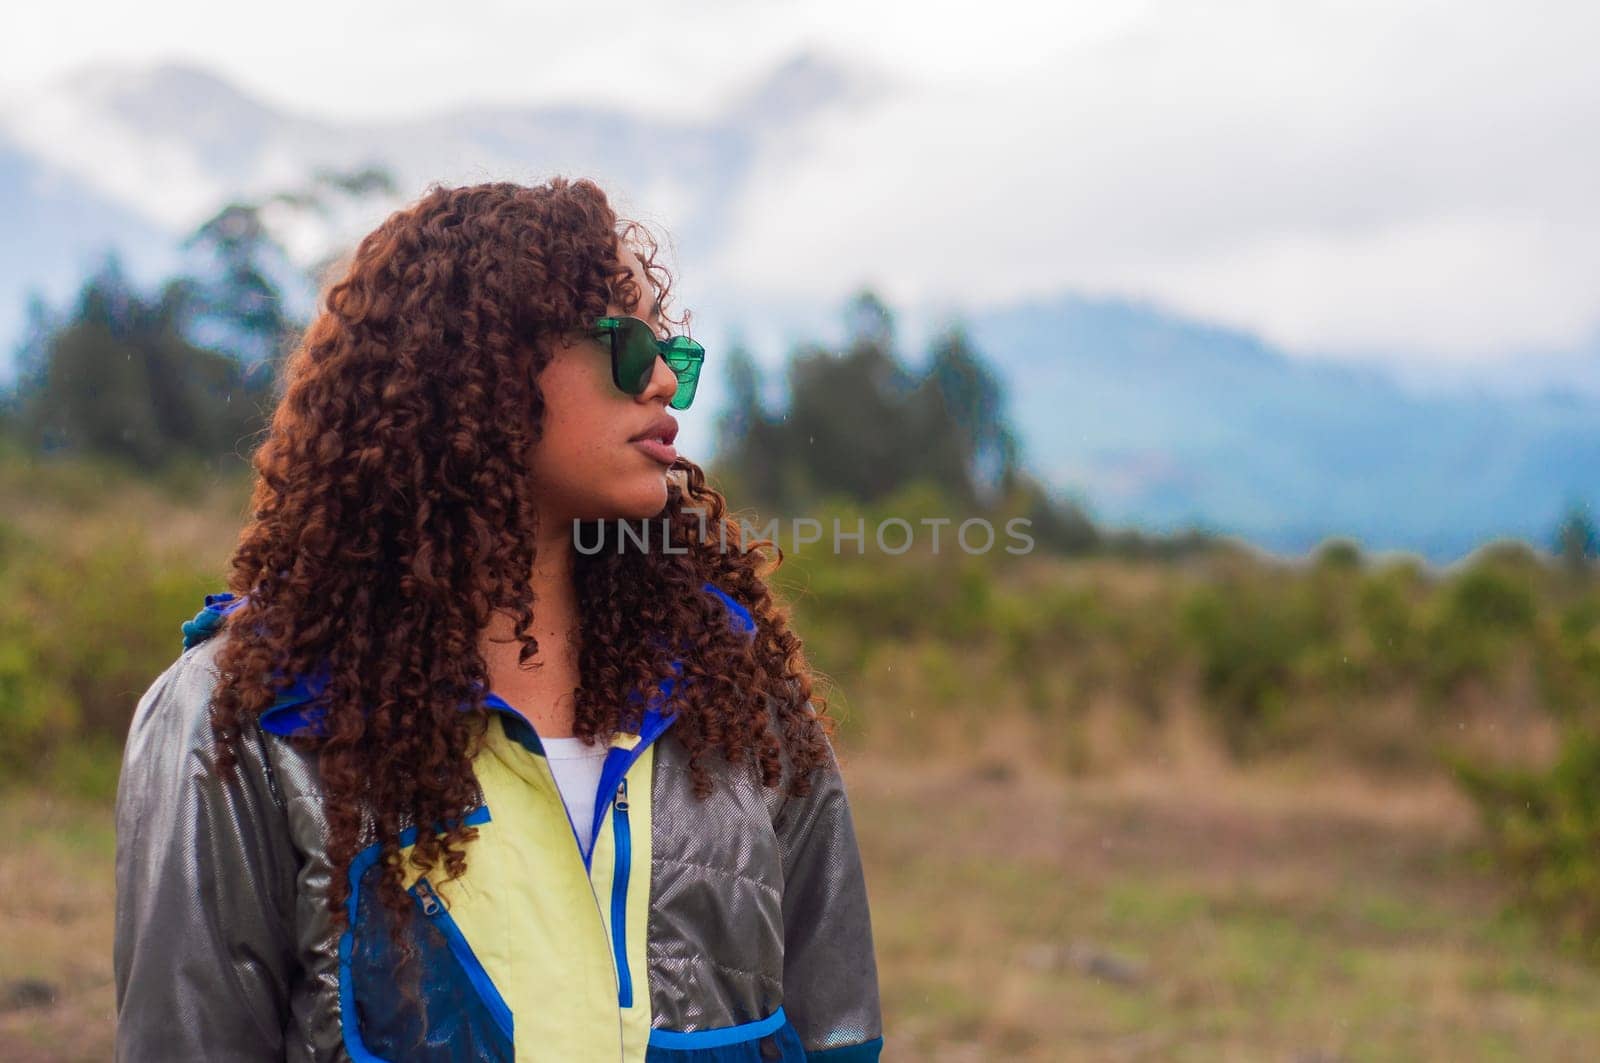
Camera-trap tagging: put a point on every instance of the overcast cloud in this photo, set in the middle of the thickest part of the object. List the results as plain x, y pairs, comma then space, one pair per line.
1409, 179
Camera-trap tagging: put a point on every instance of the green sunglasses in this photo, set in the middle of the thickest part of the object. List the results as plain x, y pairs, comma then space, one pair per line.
634, 350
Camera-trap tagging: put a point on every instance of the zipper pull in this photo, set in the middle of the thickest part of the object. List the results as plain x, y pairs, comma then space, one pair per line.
427, 898
622, 795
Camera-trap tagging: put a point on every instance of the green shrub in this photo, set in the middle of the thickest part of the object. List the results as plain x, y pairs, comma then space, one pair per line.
1339, 553
1472, 626
1387, 609
1543, 830
37, 712
1249, 637
84, 630
1567, 661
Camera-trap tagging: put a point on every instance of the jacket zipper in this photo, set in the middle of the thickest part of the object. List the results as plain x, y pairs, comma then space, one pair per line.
619, 883
434, 909
619, 892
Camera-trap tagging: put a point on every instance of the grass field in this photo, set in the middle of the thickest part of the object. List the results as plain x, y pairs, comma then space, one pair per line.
1286, 914
1269, 917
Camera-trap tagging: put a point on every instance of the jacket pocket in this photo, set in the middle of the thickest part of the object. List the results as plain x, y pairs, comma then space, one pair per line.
435, 911
440, 1006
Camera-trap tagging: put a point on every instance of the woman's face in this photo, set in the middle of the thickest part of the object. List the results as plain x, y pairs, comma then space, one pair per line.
589, 463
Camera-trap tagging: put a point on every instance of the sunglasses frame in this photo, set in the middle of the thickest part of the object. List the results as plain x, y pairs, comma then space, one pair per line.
683, 356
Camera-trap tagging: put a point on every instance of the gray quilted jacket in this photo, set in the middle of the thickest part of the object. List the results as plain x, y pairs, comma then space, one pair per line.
689, 931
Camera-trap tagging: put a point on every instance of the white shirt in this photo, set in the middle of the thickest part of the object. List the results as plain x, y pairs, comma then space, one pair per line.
576, 767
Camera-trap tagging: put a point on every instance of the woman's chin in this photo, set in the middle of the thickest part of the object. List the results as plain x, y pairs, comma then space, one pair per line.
644, 501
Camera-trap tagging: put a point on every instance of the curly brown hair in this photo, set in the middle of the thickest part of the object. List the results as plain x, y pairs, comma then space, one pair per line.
393, 514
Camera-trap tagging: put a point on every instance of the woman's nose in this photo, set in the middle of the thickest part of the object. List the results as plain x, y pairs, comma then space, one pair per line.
663, 383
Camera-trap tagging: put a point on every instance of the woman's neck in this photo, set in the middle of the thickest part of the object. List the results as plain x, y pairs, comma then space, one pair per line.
542, 691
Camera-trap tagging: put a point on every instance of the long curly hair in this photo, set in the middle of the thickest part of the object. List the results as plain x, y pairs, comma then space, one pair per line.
393, 512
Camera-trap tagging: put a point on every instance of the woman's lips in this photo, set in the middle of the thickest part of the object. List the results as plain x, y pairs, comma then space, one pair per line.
665, 453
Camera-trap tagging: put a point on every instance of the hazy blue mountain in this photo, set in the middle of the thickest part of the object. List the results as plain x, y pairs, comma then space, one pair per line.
56, 232
172, 142
1530, 373
1163, 422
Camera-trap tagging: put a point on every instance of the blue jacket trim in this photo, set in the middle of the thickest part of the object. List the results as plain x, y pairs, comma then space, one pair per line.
741, 615
618, 761
688, 1040
293, 711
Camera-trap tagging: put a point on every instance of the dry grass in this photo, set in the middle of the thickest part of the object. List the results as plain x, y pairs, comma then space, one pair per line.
1280, 914
1185, 912
56, 895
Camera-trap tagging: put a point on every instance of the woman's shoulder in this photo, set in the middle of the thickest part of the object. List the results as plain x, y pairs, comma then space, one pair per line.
171, 724
177, 702
174, 709
172, 757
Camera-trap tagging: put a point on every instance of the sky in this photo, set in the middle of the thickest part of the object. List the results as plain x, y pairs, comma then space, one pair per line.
1409, 180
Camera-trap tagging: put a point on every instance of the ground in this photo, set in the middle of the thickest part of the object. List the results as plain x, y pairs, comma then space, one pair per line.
1273, 914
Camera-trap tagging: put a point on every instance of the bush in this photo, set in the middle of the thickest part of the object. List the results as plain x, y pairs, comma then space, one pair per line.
1387, 607
78, 646
1568, 661
1250, 637
1543, 829
1471, 627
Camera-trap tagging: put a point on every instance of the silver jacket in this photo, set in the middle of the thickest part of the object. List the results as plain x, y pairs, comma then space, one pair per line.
757, 944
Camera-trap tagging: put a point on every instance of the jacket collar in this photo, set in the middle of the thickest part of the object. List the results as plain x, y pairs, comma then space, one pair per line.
295, 711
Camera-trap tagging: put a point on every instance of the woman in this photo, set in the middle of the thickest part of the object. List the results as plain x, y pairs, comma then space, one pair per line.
498, 746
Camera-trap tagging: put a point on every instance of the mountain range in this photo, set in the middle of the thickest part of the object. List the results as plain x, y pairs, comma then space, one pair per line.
1148, 418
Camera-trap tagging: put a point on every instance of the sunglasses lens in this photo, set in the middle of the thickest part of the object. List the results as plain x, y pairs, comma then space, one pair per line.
687, 380
685, 357
635, 357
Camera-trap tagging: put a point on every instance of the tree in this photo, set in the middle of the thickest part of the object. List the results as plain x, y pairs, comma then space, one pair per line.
974, 402
745, 410
746, 429
119, 378
240, 305
1577, 540
241, 300
860, 425
869, 322
187, 371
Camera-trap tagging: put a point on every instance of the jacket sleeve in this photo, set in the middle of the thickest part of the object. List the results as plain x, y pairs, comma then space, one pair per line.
830, 975
204, 952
